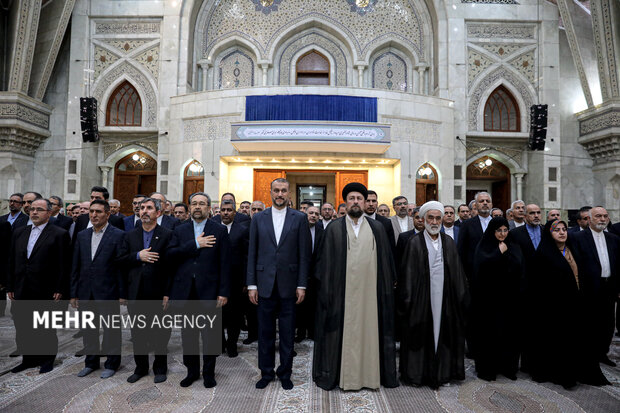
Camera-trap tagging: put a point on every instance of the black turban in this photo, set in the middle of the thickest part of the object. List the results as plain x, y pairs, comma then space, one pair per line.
354, 187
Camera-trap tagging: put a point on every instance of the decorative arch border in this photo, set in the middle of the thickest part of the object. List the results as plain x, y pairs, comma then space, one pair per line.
114, 76
181, 173
440, 186
280, 54
408, 67
511, 163
522, 91
120, 153
230, 42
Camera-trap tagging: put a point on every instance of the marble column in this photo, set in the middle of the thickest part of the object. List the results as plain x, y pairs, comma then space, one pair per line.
519, 181
421, 89
205, 75
265, 68
360, 75
105, 170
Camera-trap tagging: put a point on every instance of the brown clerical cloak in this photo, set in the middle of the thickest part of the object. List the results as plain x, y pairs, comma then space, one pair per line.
331, 272
419, 363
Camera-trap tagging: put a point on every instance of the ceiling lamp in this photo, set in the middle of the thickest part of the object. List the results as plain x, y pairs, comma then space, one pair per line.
428, 171
488, 162
135, 157
194, 167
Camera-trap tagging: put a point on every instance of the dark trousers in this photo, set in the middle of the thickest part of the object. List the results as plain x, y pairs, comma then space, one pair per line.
251, 317
147, 339
2, 301
268, 310
604, 316
111, 345
306, 311
38, 346
232, 314
190, 338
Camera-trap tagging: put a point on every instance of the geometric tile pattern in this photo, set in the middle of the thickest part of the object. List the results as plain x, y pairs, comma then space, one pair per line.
525, 64
150, 60
236, 70
103, 60
389, 71
477, 63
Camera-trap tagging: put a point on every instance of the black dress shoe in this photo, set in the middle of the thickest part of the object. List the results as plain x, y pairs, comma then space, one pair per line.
232, 351
209, 382
187, 381
262, 383
250, 340
294, 353
20, 367
160, 378
79, 353
299, 338
135, 377
605, 360
46, 368
287, 384
14, 354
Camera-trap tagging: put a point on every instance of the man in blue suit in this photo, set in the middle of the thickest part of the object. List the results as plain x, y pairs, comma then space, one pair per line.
279, 256
97, 285
200, 254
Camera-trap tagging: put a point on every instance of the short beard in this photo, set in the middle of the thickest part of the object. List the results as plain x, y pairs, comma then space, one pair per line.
355, 213
600, 227
431, 230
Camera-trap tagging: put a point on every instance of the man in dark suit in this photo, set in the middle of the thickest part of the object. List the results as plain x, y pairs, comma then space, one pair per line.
238, 235
115, 208
238, 217
59, 219
306, 309
583, 220
464, 214
528, 236
147, 276
279, 258
83, 222
40, 261
15, 217
448, 226
166, 221
5, 249
97, 285
471, 231
371, 212
181, 212
132, 221
200, 254
599, 269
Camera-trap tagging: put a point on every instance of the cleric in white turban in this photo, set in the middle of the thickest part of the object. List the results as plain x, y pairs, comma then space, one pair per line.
432, 297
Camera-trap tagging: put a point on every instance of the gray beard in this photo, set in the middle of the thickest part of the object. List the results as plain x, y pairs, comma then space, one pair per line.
430, 229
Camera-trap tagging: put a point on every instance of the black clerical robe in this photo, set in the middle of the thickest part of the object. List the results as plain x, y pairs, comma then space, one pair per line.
420, 364
331, 270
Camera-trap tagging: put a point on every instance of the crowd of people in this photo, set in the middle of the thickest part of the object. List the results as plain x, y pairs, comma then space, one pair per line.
431, 284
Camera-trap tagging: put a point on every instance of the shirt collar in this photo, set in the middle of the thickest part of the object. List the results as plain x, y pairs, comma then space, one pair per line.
373, 216
41, 227
160, 219
277, 211
597, 234
102, 229
359, 221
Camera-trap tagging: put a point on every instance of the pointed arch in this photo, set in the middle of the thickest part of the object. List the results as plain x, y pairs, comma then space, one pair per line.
426, 183
124, 106
501, 111
193, 178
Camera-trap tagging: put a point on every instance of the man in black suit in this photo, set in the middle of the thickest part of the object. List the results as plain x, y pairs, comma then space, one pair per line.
200, 254
132, 221
528, 236
238, 217
147, 275
97, 285
306, 310
115, 208
181, 212
29, 198
83, 221
15, 217
238, 235
471, 231
583, 220
166, 221
40, 261
59, 219
279, 258
371, 211
599, 269
464, 214
5, 249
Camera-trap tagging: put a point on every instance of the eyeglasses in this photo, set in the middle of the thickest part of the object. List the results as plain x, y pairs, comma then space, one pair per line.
401, 203
13, 201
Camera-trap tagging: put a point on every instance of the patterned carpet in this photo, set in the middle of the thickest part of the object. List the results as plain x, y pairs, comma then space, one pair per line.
62, 391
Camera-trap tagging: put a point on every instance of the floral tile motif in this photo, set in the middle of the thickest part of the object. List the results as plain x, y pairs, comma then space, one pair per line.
526, 65
103, 60
236, 69
501, 50
126, 46
476, 63
150, 60
389, 71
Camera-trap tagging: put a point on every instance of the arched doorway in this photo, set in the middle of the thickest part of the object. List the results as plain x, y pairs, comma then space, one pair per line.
135, 174
193, 179
489, 175
425, 184
312, 69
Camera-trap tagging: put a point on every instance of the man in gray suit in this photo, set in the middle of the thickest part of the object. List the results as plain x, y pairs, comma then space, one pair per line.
518, 214
401, 222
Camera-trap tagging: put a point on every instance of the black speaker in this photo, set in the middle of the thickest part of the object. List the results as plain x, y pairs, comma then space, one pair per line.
88, 119
538, 127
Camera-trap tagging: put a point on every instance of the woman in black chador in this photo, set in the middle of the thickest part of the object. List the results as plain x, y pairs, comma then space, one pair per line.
559, 337
495, 291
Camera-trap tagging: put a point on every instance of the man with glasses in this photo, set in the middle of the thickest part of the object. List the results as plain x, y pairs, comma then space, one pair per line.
15, 217
401, 222
133, 221
59, 219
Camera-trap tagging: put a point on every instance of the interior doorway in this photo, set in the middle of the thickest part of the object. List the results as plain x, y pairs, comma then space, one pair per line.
489, 175
135, 174
425, 184
193, 180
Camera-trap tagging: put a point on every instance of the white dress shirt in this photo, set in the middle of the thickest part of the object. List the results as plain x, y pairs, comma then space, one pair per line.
449, 231
278, 216
404, 223
517, 224
95, 240
603, 254
485, 222
35, 232
313, 235
229, 226
325, 223
356, 227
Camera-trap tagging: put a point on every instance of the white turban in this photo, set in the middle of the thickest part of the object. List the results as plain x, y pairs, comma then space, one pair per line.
429, 206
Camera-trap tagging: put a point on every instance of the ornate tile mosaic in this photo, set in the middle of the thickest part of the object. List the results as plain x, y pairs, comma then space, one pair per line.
389, 71
126, 46
266, 6
501, 50
150, 60
109, 27
362, 6
490, 1
208, 129
476, 64
103, 60
397, 19
312, 38
501, 30
526, 65
236, 69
